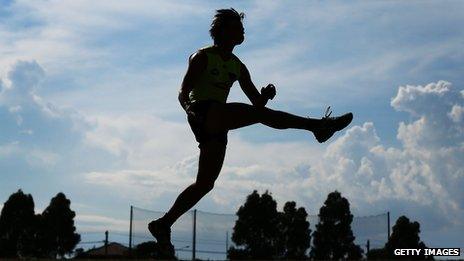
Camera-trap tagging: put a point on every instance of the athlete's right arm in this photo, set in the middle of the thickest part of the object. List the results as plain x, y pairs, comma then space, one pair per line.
256, 98
197, 64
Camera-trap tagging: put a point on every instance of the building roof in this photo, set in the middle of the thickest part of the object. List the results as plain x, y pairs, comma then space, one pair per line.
113, 249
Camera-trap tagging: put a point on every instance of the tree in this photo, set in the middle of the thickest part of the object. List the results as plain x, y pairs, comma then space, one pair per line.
145, 249
405, 234
295, 231
256, 230
57, 232
333, 238
377, 254
149, 249
17, 226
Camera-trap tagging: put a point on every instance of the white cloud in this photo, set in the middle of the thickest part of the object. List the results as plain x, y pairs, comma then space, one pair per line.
67, 33
62, 34
456, 113
432, 104
34, 129
96, 223
143, 140
159, 157
37, 157
424, 172
143, 186
9, 149
23, 78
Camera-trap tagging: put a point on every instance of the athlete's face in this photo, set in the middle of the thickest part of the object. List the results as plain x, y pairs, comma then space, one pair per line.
235, 32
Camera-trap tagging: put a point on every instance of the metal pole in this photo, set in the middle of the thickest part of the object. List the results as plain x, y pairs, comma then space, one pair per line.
227, 241
194, 243
130, 228
106, 242
388, 221
368, 248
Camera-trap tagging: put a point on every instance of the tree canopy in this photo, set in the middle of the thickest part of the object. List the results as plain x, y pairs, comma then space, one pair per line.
17, 226
257, 228
333, 238
25, 234
405, 234
262, 232
295, 231
59, 235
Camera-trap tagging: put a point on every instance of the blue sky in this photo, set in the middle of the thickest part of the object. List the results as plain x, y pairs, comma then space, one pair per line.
88, 106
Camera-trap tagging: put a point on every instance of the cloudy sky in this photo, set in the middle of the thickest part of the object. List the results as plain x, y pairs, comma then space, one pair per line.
88, 106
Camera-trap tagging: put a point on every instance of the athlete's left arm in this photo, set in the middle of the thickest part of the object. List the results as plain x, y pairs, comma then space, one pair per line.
256, 98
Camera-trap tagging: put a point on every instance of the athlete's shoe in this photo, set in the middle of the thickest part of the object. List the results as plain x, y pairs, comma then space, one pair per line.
330, 125
160, 231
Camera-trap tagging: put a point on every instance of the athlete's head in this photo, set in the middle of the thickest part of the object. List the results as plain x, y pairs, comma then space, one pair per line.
227, 27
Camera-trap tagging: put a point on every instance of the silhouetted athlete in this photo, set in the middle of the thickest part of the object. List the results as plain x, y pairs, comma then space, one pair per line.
211, 72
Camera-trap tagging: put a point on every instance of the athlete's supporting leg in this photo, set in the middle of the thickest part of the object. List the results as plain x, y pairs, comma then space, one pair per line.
210, 163
235, 115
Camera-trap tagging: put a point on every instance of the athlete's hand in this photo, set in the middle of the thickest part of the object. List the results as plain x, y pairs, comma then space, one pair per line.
269, 91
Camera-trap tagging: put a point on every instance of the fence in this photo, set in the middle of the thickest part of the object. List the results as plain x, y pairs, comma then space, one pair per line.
204, 235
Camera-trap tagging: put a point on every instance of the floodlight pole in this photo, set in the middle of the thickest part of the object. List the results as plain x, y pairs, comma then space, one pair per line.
388, 221
130, 228
106, 243
227, 241
368, 247
194, 239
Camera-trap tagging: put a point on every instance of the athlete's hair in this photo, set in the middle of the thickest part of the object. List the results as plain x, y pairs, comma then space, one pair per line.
220, 20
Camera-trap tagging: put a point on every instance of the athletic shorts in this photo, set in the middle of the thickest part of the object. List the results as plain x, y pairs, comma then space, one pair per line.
197, 123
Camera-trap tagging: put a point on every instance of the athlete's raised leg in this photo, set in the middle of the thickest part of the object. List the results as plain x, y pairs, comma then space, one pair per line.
235, 115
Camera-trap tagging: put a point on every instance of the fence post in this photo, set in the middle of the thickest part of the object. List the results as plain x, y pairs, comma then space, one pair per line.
194, 239
227, 241
368, 247
130, 229
388, 221
106, 243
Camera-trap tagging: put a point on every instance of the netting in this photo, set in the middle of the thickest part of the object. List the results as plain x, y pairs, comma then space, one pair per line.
181, 235
214, 232
373, 228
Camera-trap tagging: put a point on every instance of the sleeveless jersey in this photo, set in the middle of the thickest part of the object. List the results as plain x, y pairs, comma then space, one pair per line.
215, 82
